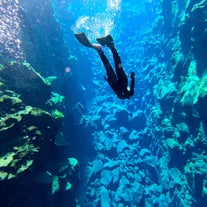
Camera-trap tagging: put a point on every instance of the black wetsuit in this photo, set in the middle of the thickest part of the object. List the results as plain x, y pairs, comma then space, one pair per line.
118, 81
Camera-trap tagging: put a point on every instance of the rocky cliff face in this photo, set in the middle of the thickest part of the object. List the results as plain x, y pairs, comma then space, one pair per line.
180, 90
32, 159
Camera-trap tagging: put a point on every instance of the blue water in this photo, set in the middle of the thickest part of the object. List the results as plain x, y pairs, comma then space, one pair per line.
122, 145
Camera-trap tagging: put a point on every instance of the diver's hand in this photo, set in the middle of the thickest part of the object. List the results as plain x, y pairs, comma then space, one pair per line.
131, 75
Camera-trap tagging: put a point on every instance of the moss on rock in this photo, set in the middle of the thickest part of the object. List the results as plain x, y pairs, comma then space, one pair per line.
26, 122
56, 114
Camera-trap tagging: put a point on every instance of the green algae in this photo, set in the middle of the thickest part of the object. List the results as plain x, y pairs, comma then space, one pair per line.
6, 159
194, 88
73, 162
203, 85
50, 79
56, 114
25, 166
189, 87
164, 88
3, 175
56, 99
17, 161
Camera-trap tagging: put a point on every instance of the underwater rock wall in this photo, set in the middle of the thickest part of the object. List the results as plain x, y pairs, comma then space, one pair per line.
42, 38
34, 168
151, 151
180, 91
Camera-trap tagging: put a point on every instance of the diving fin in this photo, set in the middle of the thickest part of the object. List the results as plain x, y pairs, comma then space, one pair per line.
82, 38
106, 41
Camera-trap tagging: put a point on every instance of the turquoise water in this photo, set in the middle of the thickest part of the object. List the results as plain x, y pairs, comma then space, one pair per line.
146, 151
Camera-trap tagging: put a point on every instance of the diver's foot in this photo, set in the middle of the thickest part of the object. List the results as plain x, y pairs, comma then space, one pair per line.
106, 41
96, 46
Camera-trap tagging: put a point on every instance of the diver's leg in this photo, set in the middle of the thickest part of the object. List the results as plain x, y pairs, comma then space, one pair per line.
111, 75
121, 75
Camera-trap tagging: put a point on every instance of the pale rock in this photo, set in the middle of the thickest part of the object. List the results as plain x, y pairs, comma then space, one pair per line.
134, 135
116, 175
106, 177
105, 199
121, 146
97, 166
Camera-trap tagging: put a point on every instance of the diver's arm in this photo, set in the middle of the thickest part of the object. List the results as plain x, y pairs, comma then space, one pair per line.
131, 92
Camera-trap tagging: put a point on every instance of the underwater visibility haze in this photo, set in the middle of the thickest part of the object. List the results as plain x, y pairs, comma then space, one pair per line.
67, 139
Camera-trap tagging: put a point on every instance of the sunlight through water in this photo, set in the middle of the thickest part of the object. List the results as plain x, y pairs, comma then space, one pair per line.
10, 42
101, 22
114, 4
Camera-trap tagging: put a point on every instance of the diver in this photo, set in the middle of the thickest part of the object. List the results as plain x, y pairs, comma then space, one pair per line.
118, 80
